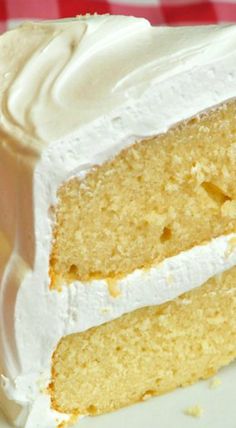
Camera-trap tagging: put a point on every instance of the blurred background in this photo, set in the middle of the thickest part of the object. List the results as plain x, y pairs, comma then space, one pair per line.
162, 12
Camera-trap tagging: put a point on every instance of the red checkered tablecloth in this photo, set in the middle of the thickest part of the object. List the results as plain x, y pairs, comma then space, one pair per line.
171, 12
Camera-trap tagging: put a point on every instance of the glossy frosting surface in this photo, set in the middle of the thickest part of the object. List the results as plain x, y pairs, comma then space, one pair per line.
73, 94
68, 73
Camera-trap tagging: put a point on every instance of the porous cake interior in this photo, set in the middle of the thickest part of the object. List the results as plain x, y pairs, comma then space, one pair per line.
156, 198
147, 352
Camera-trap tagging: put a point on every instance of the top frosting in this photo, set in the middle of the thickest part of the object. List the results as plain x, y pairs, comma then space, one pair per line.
73, 94
58, 76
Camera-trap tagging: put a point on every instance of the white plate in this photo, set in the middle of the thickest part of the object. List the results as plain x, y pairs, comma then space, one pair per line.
167, 411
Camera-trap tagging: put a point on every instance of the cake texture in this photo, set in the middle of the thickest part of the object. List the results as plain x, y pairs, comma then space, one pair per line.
118, 213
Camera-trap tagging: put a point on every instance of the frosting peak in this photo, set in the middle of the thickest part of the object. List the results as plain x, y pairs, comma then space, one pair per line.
65, 74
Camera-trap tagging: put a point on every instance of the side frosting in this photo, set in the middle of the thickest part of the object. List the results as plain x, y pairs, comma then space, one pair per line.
73, 94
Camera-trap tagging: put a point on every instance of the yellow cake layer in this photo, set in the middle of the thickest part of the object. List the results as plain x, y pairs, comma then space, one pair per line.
158, 197
147, 352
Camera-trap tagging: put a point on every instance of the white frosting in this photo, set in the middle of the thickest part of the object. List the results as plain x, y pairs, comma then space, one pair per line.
73, 94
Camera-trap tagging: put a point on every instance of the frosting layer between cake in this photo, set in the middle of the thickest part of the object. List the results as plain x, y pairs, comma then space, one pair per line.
104, 83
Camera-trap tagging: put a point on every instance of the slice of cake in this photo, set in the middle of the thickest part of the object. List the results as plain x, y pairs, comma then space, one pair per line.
118, 213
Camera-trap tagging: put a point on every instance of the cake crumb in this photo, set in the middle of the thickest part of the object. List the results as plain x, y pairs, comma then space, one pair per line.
113, 287
146, 397
214, 383
194, 411
170, 279
105, 310
228, 209
72, 420
148, 394
42, 383
185, 301
231, 247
